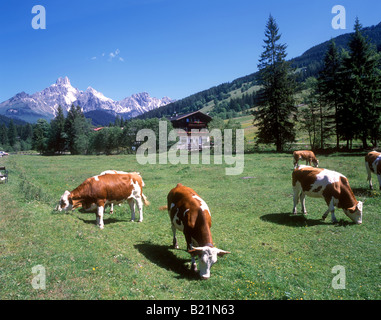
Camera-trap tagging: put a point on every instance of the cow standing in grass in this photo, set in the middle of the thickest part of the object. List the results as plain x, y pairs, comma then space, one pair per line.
373, 165
307, 155
327, 184
98, 191
190, 214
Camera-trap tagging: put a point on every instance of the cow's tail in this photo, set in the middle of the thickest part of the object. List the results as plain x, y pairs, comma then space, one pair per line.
145, 201
163, 208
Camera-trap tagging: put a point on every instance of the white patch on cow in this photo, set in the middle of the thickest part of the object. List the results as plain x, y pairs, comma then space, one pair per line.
96, 178
203, 204
136, 191
323, 179
64, 202
176, 218
375, 164
207, 258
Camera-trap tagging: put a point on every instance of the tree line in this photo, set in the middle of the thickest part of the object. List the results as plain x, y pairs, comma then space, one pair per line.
343, 101
75, 134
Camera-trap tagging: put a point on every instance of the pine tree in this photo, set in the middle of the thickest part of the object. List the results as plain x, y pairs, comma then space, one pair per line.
41, 135
276, 107
4, 135
329, 86
361, 87
57, 139
77, 129
12, 133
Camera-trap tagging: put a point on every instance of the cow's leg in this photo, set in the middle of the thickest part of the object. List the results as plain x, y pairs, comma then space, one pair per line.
379, 180
303, 201
139, 203
193, 263
100, 212
175, 244
131, 202
111, 208
331, 208
296, 198
370, 176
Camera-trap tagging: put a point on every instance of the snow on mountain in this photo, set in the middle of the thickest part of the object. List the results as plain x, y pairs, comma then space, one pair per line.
44, 104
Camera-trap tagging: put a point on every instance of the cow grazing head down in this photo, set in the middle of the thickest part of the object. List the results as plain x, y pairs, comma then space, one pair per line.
190, 214
65, 202
330, 185
207, 256
306, 155
106, 189
355, 213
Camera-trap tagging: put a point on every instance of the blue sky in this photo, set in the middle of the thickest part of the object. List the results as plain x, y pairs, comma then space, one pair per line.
165, 47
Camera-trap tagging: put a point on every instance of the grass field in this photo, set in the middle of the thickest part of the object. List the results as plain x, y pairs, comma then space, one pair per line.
274, 255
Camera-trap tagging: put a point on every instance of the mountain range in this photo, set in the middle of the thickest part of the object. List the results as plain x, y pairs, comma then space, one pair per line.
44, 104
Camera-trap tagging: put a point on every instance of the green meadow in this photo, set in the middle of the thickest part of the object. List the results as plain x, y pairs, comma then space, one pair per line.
274, 254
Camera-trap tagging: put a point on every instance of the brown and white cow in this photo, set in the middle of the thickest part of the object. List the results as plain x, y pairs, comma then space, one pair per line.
307, 155
190, 214
327, 184
98, 191
373, 165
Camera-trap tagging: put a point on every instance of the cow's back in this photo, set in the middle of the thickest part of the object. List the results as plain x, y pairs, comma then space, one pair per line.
373, 159
107, 186
187, 201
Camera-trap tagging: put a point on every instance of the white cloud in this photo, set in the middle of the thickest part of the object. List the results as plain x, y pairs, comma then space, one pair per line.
111, 56
114, 54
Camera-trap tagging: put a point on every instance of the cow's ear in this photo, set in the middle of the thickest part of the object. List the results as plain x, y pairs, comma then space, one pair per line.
352, 209
221, 253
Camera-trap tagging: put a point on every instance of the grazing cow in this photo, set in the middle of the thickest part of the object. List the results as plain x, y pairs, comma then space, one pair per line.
103, 189
307, 155
191, 215
373, 164
327, 184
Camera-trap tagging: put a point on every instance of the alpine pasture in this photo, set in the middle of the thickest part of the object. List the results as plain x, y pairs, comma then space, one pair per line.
274, 254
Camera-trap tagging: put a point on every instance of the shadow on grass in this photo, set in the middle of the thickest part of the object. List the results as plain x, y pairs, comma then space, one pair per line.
291, 220
365, 192
162, 256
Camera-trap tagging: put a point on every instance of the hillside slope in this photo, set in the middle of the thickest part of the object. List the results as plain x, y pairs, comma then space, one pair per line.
310, 63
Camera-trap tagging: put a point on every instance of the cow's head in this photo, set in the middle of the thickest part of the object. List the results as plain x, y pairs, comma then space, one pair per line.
65, 202
316, 163
207, 256
355, 213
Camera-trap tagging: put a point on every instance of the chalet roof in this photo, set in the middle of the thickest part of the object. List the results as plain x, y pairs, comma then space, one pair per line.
182, 116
